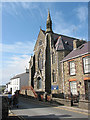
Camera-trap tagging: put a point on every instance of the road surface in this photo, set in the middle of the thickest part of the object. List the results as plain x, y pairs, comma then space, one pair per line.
30, 109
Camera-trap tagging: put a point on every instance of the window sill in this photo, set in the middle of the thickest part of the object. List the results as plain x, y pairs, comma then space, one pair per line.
39, 89
73, 75
87, 73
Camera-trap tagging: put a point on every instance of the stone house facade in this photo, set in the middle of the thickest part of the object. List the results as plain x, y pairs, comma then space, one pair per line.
75, 75
44, 67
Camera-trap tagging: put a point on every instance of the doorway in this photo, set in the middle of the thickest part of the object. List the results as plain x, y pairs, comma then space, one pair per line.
87, 89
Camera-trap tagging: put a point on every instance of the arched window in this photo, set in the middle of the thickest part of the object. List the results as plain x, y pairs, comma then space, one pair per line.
40, 42
54, 76
53, 58
40, 60
39, 83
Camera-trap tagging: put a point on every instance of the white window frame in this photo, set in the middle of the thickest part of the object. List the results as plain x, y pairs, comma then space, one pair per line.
86, 64
73, 87
72, 68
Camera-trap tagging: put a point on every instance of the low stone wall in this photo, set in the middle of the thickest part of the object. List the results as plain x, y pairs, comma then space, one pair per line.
84, 104
65, 102
29, 93
22, 92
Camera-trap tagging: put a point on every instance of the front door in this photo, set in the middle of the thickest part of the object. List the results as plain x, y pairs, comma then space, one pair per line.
87, 89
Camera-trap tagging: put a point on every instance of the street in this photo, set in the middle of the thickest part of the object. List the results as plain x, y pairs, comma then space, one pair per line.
30, 109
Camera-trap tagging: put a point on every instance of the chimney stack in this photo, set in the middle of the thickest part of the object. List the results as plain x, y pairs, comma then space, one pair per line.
27, 70
74, 44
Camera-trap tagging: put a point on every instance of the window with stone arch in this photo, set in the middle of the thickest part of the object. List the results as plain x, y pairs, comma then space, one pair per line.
40, 60
54, 76
39, 83
53, 58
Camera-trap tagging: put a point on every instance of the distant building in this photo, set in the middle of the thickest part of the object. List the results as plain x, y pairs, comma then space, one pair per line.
9, 86
19, 80
2, 88
75, 75
49, 50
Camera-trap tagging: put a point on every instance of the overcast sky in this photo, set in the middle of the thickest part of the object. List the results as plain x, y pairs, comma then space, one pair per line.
21, 24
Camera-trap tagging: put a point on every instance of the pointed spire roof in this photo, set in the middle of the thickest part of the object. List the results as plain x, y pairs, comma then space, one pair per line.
48, 17
49, 23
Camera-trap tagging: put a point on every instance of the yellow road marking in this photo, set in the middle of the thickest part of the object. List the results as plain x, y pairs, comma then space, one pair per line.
65, 109
72, 110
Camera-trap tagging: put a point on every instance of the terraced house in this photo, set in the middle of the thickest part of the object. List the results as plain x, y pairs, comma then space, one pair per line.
76, 71
45, 73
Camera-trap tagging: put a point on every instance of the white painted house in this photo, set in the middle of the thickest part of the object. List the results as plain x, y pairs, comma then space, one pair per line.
19, 80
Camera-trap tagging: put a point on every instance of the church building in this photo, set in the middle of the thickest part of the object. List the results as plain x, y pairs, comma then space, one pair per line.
49, 50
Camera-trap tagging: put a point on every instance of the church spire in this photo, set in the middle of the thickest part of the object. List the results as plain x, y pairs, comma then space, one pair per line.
49, 23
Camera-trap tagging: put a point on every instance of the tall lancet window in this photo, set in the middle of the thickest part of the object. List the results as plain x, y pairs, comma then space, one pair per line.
40, 60
54, 76
53, 58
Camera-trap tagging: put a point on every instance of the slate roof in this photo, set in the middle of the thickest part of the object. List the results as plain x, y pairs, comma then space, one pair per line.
7, 83
67, 42
19, 76
63, 45
83, 49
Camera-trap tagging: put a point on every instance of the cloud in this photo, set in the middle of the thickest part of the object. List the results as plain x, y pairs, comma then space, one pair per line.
10, 8
28, 5
45, 0
65, 27
82, 13
16, 65
16, 59
18, 47
61, 26
15, 8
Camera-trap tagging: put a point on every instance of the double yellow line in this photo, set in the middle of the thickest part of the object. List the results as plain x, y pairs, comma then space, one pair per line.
72, 110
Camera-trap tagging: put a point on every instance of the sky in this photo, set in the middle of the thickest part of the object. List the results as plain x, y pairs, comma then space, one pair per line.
21, 22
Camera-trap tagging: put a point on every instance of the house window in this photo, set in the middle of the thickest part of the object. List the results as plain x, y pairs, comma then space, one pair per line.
53, 58
86, 64
72, 68
54, 76
40, 42
40, 60
39, 83
73, 87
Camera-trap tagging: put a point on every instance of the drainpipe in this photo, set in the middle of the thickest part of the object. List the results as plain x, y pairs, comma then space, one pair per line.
63, 77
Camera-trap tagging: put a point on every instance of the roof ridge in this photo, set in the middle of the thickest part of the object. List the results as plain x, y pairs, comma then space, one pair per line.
18, 75
77, 52
66, 36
